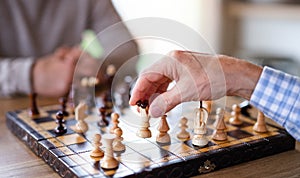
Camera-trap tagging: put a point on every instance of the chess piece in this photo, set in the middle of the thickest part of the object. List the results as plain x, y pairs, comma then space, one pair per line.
183, 134
163, 127
81, 126
97, 153
207, 105
103, 122
200, 139
63, 102
33, 106
236, 111
108, 161
144, 131
117, 144
114, 121
60, 129
260, 125
219, 133
110, 73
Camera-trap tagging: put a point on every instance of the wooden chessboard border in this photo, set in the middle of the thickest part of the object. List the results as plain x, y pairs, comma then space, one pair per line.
193, 164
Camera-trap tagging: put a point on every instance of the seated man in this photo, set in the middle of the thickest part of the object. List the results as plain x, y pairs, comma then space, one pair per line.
39, 43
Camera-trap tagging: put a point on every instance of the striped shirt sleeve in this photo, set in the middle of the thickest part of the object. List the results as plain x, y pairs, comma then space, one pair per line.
277, 95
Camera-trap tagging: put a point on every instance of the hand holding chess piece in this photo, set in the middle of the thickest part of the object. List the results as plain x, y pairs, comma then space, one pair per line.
80, 115
144, 131
236, 111
97, 153
163, 127
200, 139
219, 133
260, 125
183, 134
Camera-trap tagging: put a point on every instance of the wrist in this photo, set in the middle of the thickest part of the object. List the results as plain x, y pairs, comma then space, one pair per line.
241, 76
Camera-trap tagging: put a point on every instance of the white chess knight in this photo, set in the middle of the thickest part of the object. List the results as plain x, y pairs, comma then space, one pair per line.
200, 139
81, 126
144, 131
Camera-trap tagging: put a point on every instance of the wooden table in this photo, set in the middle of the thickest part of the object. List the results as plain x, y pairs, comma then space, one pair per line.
16, 160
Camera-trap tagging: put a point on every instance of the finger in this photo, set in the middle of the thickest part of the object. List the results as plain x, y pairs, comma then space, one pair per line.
61, 52
165, 102
147, 85
73, 56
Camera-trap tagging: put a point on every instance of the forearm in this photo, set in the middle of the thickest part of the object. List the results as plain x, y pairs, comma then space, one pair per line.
15, 76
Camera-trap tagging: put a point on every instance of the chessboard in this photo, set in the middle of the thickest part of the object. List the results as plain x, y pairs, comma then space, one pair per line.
69, 154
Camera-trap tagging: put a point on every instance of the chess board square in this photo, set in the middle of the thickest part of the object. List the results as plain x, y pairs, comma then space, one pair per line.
55, 142
155, 154
43, 119
136, 161
78, 159
68, 161
79, 171
48, 125
81, 147
141, 144
69, 132
179, 149
239, 134
71, 139
45, 134
66, 150
91, 169
33, 125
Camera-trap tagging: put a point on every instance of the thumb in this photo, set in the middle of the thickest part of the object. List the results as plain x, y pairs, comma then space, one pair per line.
164, 102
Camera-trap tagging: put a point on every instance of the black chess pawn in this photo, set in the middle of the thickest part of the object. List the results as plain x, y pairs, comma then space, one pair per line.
63, 102
103, 122
33, 106
60, 129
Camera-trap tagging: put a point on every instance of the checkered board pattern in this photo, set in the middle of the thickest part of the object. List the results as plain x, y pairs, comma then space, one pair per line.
69, 154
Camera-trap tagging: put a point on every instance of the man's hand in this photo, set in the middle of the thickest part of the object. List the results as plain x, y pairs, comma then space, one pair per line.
197, 76
53, 74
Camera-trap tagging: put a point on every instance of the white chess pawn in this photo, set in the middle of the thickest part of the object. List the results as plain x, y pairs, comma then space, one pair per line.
144, 131
117, 144
260, 125
114, 121
81, 126
183, 134
219, 133
97, 153
200, 139
236, 111
163, 127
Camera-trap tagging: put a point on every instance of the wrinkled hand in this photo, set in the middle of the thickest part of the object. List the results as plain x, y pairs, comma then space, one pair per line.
197, 76
53, 74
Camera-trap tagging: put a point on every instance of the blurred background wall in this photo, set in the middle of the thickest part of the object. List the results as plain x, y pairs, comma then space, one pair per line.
265, 32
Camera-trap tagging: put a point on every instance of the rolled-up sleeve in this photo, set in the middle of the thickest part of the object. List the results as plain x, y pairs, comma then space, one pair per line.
15, 76
277, 96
